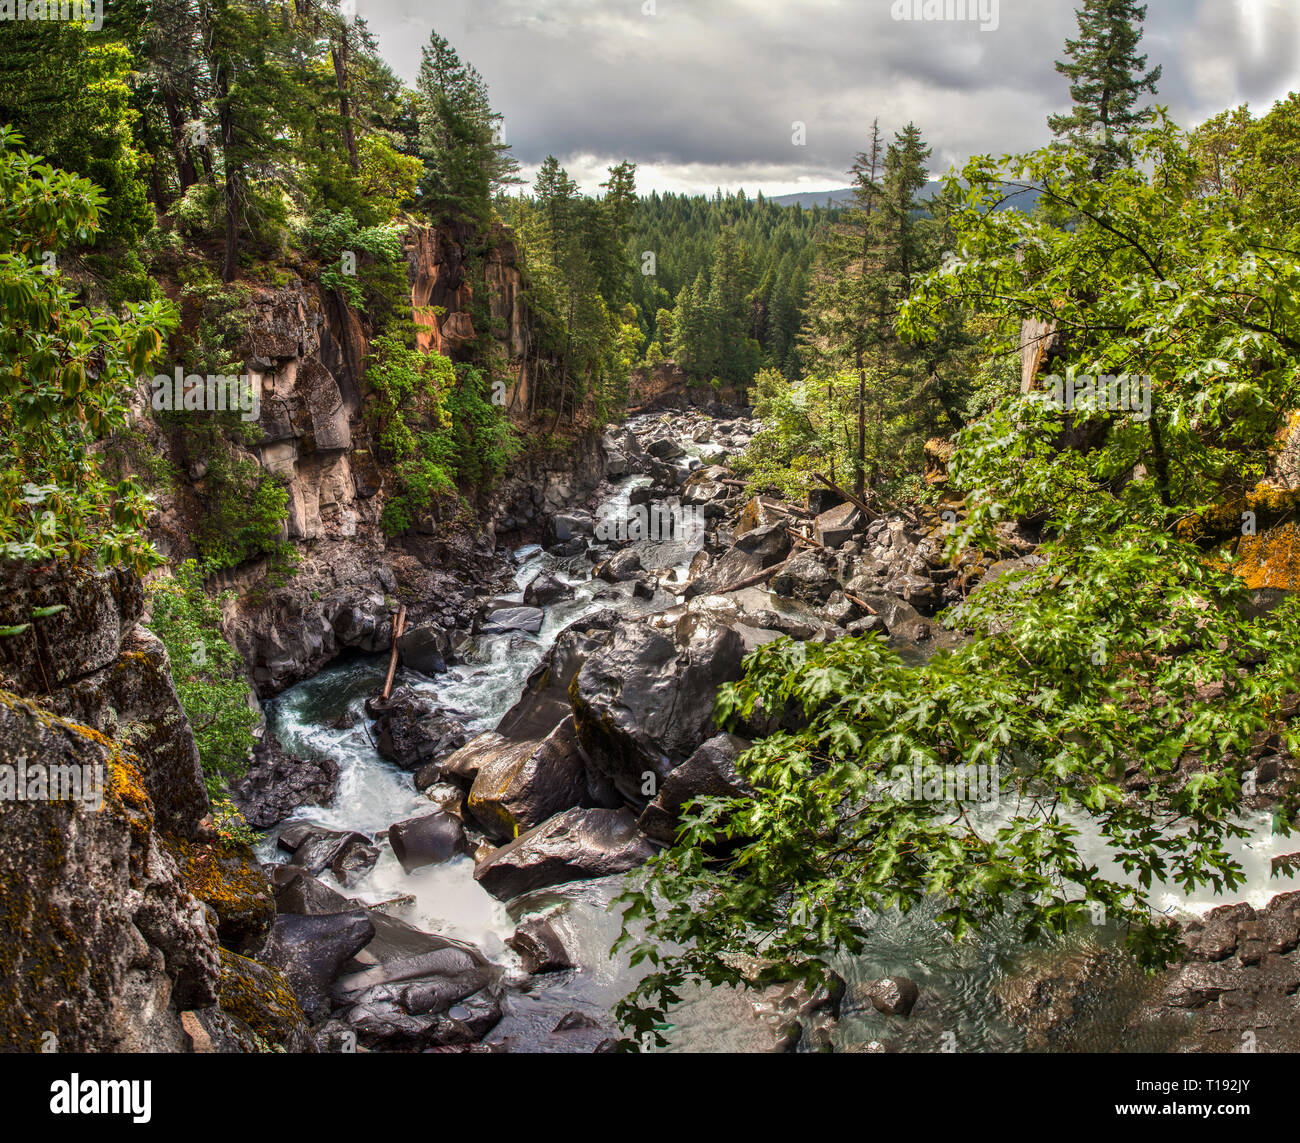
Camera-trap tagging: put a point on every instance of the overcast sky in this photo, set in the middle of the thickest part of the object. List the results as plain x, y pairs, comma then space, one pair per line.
704, 93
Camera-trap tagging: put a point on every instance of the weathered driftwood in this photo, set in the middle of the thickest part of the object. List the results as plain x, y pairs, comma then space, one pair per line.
753, 580
872, 514
398, 626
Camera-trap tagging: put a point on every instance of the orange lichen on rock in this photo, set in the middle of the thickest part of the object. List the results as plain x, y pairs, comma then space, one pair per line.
1270, 559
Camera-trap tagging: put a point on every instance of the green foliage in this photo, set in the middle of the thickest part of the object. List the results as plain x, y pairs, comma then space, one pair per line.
771, 252
244, 512
375, 277
223, 322
66, 372
66, 89
586, 340
1106, 78
464, 158
834, 835
437, 428
1119, 685
209, 677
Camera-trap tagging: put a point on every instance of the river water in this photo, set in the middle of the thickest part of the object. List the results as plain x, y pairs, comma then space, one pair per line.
959, 982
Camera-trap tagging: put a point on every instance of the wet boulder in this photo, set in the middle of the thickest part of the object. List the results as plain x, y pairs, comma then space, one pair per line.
311, 950
893, 995
540, 946
424, 649
623, 566
526, 783
408, 989
569, 525
665, 448
277, 783
544, 590
544, 702
504, 620
409, 732
577, 845
347, 855
709, 772
428, 840
643, 704
298, 892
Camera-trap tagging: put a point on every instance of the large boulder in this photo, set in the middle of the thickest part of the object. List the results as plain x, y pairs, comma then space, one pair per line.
836, 526
709, 772
256, 1010
643, 704
621, 567
570, 525
277, 783
524, 784
574, 846
504, 620
544, 590
665, 448
311, 950
704, 485
409, 732
758, 548
759, 512
424, 649
408, 989
903, 622
428, 840
346, 854
298, 892
805, 578
544, 703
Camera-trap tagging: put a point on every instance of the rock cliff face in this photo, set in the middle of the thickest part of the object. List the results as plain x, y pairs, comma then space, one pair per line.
305, 351
104, 947
129, 925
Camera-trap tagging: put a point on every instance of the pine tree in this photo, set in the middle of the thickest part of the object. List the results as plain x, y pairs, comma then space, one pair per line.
1106, 78
459, 138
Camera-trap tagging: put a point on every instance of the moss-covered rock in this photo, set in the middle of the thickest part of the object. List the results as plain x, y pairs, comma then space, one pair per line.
226, 877
259, 1000
102, 946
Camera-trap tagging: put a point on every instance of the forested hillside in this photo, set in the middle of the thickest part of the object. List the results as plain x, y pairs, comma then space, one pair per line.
420, 669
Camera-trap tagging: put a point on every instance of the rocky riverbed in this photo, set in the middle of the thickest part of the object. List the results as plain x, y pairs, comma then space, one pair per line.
437, 866
522, 767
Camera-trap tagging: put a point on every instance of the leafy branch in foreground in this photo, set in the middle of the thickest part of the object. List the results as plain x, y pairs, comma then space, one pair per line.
1105, 663
66, 372
1119, 684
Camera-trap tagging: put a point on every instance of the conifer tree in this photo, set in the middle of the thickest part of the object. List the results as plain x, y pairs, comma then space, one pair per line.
1106, 78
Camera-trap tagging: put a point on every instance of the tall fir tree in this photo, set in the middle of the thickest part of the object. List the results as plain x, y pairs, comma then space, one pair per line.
1107, 76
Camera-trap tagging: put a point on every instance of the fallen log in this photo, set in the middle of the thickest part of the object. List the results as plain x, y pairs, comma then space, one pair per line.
398, 626
753, 580
872, 514
862, 603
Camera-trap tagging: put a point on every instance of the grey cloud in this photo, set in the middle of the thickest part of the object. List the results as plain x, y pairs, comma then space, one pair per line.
708, 89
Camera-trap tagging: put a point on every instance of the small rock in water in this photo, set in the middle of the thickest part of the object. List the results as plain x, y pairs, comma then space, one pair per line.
539, 947
893, 995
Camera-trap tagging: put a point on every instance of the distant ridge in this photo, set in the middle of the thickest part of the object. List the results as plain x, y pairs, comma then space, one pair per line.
1022, 200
